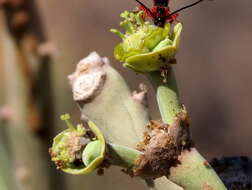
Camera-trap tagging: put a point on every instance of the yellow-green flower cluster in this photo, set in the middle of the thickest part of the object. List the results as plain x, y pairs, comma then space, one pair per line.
67, 145
73, 152
145, 47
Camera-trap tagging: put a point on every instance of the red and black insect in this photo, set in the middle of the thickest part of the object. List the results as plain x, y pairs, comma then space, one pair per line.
160, 13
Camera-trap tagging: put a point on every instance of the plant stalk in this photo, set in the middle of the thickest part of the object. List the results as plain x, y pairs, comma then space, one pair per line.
167, 95
113, 105
193, 172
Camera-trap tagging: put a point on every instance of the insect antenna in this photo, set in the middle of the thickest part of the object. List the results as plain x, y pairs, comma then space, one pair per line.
146, 8
185, 7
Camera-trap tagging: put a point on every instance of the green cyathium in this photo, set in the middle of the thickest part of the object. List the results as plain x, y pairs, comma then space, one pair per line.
145, 47
72, 144
68, 147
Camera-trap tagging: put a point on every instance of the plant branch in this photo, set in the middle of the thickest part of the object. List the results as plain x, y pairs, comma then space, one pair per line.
193, 172
167, 95
121, 117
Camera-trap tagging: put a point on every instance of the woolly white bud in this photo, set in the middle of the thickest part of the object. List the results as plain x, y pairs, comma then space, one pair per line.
89, 77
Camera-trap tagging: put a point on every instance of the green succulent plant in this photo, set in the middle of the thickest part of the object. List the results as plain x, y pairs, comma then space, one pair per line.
147, 49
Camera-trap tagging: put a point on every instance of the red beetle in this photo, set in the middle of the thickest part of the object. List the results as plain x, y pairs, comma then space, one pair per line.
160, 13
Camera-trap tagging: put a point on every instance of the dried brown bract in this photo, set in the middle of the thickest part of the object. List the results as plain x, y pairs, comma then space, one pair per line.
162, 144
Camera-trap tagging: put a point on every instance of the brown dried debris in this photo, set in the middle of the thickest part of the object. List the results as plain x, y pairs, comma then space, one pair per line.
59, 163
104, 165
162, 145
166, 69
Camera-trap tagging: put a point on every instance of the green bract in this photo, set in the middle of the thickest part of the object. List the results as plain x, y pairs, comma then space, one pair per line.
145, 47
73, 152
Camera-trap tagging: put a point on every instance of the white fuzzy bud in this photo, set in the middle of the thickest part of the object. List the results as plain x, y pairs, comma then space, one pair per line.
89, 77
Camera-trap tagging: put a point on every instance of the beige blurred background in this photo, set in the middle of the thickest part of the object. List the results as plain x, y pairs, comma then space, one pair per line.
213, 71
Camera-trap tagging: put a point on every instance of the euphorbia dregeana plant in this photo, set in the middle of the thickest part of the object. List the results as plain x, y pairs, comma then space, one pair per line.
116, 129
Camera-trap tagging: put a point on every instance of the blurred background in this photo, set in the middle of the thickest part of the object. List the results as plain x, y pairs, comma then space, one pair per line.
213, 72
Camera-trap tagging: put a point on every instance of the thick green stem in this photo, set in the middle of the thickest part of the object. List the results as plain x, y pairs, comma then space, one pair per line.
193, 172
167, 95
120, 117
126, 157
